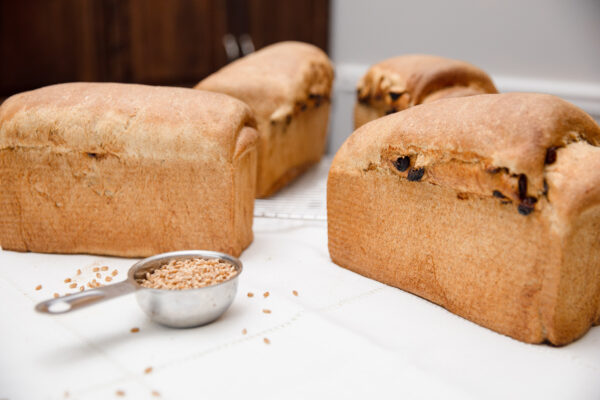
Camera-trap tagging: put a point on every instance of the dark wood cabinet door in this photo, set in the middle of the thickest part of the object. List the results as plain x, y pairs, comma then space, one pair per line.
45, 41
171, 40
165, 42
273, 21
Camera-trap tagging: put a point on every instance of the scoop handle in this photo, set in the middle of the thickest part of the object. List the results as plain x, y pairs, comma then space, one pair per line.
75, 301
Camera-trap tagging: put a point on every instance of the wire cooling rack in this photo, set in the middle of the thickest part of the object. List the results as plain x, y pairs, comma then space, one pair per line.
303, 199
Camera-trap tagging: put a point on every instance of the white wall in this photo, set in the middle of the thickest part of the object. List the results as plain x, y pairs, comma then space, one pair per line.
550, 46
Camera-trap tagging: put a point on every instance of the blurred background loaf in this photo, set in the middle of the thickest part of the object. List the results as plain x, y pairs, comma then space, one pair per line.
408, 80
288, 86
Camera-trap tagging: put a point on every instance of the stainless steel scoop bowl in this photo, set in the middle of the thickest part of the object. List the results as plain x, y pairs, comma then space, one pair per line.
175, 308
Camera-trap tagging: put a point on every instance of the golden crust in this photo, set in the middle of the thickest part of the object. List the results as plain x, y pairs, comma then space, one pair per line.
507, 134
408, 80
274, 79
288, 85
126, 170
126, 119
489, 205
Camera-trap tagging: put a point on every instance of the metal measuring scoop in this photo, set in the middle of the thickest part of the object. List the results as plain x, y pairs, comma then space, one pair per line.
176, 308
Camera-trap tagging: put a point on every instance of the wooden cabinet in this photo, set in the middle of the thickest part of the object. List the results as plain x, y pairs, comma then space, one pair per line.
166, 42
45, 41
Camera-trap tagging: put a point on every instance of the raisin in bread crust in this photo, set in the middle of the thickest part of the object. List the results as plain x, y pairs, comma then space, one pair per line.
405, 81
490, 205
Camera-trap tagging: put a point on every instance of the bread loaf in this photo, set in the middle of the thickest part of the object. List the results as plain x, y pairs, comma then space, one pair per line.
405, 81
486, 205
126, 170
288, 85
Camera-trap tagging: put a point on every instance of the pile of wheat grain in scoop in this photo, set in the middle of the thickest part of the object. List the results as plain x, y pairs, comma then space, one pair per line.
189, 274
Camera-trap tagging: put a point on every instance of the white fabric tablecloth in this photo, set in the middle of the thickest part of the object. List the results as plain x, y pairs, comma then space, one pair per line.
343, 336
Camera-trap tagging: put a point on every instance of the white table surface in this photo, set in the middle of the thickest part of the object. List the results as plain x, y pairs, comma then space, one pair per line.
344, 336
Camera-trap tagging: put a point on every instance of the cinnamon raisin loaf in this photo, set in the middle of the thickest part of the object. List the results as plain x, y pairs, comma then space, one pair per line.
288, 85
486, 205
126, 170
401, 82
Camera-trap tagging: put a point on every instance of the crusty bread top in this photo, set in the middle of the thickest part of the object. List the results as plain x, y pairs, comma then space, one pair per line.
478, 144
275, 79
409, 79
124, 119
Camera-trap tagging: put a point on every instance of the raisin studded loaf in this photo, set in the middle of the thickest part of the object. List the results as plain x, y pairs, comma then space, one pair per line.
126, 170
288, 85
487, 205
405, 81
